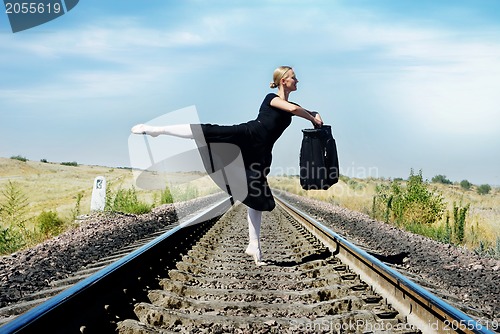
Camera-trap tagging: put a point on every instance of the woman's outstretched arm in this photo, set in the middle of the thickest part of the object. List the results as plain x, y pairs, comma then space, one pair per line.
312, 116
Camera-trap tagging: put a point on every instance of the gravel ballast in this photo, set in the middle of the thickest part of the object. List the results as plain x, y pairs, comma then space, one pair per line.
456, 271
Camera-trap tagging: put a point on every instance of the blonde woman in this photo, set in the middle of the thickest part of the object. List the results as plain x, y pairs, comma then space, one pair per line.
255, 140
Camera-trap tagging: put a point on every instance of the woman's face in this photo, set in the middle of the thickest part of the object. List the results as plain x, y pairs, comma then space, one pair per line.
290, 81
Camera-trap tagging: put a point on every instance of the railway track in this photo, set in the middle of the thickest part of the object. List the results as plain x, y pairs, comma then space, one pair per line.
195, 278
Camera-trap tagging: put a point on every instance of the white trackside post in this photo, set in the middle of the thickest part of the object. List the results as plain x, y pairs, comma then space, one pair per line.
98, 201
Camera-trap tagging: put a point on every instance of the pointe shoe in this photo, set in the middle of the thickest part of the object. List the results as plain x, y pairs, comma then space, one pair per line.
256, 256
142, 129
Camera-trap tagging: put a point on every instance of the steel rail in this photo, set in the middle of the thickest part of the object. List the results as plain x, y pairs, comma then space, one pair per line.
76, 309
422, 309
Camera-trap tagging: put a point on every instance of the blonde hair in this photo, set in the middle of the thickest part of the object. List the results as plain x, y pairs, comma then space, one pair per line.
279, 74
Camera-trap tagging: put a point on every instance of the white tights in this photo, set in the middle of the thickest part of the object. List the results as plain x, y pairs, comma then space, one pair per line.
180, 130
254, 218
254, 221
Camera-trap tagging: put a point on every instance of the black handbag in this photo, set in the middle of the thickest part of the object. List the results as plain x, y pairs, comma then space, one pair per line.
319, 163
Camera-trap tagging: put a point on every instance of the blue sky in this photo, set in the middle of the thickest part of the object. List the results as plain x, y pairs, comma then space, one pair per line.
404, 84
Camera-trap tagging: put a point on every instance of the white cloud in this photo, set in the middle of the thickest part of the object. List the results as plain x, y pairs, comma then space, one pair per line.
451, 87
118, 41
442, 80
82, 85
118, 59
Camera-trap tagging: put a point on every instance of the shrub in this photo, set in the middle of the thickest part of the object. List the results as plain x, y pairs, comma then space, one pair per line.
417, 194
446, 236
408, 204
487, 249
459, 215
126, 201
13, 218
166, 196
72, 163
49, 223
344, 178
441, 179
355, 185
76, 210
20, 158
465, 184
484, 189
382, 202
10, 240
497, 248
14, 209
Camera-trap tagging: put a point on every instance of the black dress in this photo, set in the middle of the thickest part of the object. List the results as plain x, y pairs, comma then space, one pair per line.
254, 140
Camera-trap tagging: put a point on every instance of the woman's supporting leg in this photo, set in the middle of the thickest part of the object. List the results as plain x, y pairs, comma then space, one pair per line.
254, 222
254, 218
180, 130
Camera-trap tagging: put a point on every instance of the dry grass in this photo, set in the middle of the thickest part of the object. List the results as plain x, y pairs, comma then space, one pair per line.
52, 186
484, 213
483, 217
55, 187
353, 194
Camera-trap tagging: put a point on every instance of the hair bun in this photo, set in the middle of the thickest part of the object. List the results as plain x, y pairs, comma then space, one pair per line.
279, 74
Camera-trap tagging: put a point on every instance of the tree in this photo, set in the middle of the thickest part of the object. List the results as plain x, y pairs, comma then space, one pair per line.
484, 189
465, 184
441, 179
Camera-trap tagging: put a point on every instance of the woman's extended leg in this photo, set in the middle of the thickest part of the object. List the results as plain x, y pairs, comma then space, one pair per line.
254, 218
180, 130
